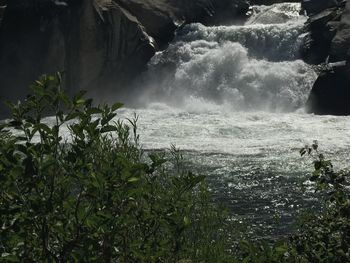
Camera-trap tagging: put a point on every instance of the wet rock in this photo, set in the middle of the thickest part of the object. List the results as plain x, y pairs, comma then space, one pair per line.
340, 45
270, 2
330, 42
101, 44
2, 9
316, 6
98, 44
331, 93
162, 17
322, 28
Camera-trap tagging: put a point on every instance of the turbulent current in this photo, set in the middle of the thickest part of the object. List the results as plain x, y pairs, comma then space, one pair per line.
232, 98
251, 67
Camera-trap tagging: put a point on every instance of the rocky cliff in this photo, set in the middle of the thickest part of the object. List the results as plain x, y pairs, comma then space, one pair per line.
2, 9
100, 44
328, 42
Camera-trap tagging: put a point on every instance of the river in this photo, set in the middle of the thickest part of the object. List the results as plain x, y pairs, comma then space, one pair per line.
232, 98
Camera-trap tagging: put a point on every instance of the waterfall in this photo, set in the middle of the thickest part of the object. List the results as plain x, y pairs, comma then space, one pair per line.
251, 67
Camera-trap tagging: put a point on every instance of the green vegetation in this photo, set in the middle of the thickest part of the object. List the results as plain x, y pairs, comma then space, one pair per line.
96, 197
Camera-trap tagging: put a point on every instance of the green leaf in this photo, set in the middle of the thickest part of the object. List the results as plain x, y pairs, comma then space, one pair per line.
109, 128
187, 221
133, 179
117, 106
80, 102
94, 110
9, 257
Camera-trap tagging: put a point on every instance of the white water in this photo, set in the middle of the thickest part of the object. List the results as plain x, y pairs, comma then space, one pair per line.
232, 98
250, 67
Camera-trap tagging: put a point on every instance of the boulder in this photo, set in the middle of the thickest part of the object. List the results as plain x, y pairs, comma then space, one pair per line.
331, 92
162, 17
330, 43
322, 28
2, 9
269, 2
340, 45
316, 6
98, 44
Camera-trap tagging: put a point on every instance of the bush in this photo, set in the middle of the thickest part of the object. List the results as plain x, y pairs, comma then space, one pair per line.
325, 236
95, 196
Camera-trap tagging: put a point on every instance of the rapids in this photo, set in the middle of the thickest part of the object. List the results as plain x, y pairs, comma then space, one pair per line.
232, 98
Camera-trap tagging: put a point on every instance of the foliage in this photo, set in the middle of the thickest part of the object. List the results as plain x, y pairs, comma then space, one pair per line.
325, 237
95, 196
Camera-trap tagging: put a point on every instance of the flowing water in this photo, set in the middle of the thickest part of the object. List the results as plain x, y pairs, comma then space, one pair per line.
232, 98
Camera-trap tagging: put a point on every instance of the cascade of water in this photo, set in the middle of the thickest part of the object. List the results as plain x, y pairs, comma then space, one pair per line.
251, 67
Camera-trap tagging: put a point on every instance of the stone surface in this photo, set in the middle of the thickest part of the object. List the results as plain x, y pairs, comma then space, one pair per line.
269, 2
340, 45
330, 43
331, 92
100, 44
316, 6
321, 28
2, 9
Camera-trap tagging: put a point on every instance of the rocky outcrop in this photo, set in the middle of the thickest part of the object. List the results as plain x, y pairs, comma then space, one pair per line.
2, 9
100, 44
322, 27
340, 45
331, 92
269, 2
316, 6
96, 43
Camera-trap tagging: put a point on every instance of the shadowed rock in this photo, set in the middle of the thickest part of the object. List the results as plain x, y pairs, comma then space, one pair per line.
329, 41
97, 43
331, 92
322, 28
340, 46
100, 44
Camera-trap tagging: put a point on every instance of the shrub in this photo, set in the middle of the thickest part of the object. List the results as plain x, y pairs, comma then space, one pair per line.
325, 236
94, 196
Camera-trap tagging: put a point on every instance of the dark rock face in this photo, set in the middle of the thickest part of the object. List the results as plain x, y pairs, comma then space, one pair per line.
331, 92
100, 44
93, 41
322, 28
2, 9
269, 2
340, 46
316, 6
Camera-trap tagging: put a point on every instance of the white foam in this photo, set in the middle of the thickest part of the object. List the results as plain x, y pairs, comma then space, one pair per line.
240, 68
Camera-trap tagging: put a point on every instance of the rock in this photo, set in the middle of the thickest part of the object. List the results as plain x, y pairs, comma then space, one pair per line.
226, 12
99, 44
322, 28
269, 2
329, 41
340, 45
2, 9
162, 17
316, 6
331, 91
